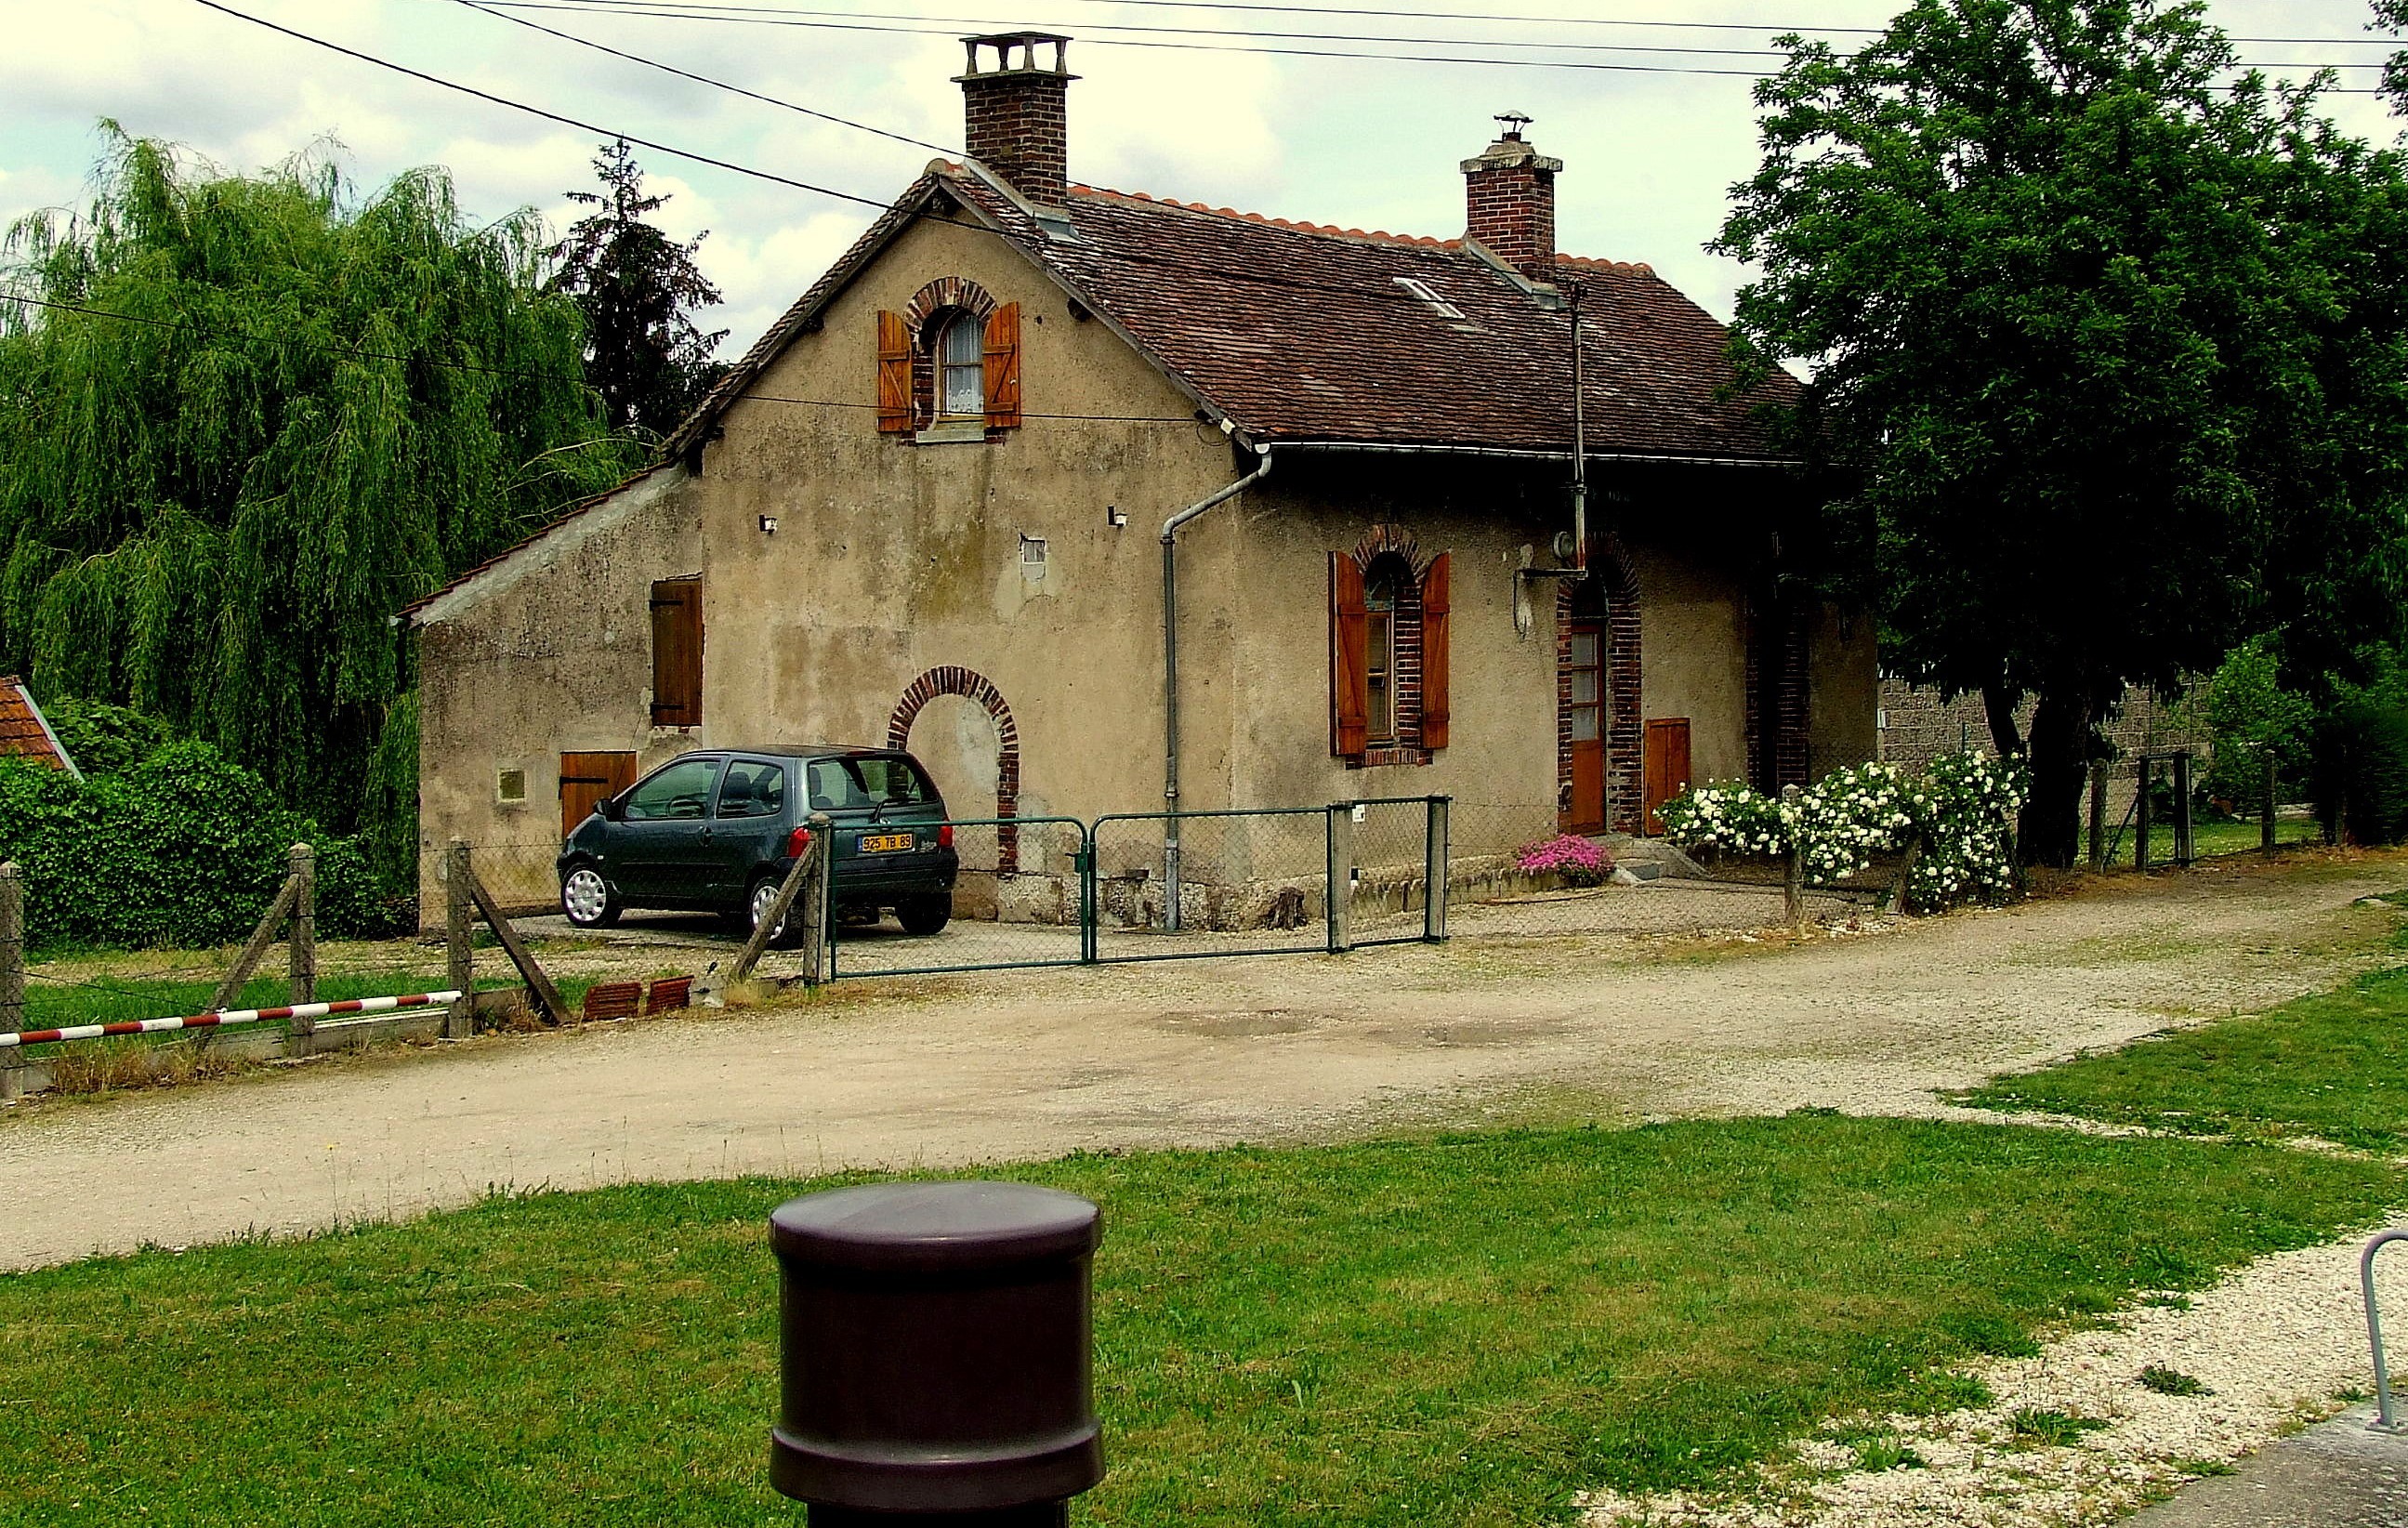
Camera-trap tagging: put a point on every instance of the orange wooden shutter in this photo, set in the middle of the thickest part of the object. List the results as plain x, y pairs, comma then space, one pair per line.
1349, 658
1434, 629
1003, 367
893, 375
677, 653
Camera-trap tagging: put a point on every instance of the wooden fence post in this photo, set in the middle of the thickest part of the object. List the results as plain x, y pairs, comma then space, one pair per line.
2266, 813
1793, 877
263, 935
805, 886
2098, 816
2140, 815
815, 901
2183, 853
458, 934
12, 976
1905, 872
539, 986
300, 1034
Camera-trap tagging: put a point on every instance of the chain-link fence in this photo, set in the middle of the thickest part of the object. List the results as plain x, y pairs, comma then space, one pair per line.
1175, 884
1018, 899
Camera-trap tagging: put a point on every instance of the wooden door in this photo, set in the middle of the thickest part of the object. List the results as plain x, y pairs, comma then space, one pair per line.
1584, 714
585, 779
1667, 765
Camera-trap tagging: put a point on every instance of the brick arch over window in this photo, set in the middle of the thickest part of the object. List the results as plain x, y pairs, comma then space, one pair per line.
908, 367
1609, 567
974, 686
941, 296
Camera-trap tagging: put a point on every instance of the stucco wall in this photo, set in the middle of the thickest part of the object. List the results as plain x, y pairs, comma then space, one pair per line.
1842, 691
549, 652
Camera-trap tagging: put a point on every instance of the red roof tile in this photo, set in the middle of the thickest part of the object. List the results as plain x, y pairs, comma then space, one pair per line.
23, 733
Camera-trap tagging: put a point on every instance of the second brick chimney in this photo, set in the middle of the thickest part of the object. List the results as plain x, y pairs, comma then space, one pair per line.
1510, 193
1019, 110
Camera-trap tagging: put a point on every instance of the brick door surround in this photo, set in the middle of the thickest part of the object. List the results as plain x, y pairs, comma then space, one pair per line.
973, 686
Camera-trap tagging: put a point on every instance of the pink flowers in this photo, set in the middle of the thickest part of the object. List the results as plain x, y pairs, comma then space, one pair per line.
1579, 862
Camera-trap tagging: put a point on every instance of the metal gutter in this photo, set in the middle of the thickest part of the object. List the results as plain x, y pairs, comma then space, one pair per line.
1513, 454
1170, 843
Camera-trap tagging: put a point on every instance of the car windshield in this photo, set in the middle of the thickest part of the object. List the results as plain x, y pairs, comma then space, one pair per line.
681, 789
861, 785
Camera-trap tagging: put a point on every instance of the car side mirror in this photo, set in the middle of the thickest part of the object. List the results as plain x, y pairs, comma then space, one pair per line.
609, 809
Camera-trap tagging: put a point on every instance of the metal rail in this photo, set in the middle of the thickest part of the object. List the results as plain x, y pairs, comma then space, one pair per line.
2384, 1421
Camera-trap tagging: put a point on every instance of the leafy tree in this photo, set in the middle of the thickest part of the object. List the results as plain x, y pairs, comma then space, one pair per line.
265, 414
636, 288
2108, 356
2252, 716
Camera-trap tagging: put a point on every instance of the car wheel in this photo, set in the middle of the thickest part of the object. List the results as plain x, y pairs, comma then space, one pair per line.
926, 915
765, 896
587, 899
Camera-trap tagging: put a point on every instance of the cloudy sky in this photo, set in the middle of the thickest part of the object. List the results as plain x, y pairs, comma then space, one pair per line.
1365, 143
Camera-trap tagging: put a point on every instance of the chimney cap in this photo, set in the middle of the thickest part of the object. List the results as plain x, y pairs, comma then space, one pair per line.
1515, 122
1026, 44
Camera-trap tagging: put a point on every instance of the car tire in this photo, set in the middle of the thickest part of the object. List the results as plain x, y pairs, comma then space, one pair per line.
926, 915
757, 901
586, 899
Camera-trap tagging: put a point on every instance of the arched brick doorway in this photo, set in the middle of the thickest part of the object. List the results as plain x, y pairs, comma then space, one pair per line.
972, 686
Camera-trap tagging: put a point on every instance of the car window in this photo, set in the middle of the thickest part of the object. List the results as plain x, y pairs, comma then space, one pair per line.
680, 790
858, 784
752, 789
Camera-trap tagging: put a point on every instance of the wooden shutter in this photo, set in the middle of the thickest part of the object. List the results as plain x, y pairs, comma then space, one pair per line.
893, 375
1434, 629
1003, 367
677, 653
1350, 690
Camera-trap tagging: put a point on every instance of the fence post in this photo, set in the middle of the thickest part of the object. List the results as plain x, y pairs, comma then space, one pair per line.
302, 947
1436, 846
1793, 877
2148, 768
2098, 816
813, 901
12, 976
2266, 814
2184, 852
461, 1022
1340, 895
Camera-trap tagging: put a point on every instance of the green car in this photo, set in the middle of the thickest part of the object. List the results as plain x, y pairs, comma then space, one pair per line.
717, 831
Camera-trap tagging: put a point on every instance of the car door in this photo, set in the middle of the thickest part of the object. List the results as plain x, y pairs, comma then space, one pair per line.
661, 841
749, 827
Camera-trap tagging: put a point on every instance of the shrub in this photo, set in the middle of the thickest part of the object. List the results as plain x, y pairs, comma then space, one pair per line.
104, 739
185, 848
1579, 861
2362, 772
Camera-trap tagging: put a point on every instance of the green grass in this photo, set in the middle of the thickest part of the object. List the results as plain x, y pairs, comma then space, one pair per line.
2206, 839
1462, 1331
2334, 1065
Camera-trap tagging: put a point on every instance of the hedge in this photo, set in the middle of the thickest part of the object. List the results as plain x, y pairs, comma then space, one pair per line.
183, 848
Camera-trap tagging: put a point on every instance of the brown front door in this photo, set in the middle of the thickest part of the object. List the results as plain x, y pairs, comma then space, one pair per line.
1667, 765
585, 779
1584, 711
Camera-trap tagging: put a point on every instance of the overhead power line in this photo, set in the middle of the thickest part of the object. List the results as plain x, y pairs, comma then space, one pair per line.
890, 23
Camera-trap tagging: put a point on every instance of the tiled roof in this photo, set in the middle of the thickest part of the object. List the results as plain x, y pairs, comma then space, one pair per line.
23, 733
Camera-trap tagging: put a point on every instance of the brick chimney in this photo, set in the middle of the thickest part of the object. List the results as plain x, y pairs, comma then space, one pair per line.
1510, 191
1019, 112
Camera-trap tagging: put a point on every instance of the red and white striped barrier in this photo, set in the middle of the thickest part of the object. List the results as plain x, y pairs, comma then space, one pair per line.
232, 1015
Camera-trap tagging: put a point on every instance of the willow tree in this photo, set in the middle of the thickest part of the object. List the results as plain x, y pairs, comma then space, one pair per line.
2111, 355
249, 417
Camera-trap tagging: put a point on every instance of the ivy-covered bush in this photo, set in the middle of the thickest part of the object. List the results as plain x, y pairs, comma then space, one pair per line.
1961, 811
183, 848
2362, 773
102, 738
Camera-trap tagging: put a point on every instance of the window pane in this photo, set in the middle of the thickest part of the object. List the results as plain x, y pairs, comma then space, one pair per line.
1584, 686
680, 790
858, 784
753, 789
963, 353
1583, 650
1583, 724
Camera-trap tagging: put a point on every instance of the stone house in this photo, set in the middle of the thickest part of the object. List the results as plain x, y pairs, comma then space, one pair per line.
1097, 501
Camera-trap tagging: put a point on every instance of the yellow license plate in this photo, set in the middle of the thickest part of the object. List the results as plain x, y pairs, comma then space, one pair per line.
885, 842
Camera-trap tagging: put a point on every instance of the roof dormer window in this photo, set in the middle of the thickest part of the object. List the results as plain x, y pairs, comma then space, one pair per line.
1430, 298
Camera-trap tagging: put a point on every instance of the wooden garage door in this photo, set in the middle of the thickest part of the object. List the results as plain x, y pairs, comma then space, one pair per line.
585, 779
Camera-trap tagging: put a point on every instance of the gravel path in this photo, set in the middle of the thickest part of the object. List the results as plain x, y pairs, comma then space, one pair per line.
1014, 1065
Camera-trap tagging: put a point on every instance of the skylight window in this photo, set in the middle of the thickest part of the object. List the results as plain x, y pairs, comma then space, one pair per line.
1431, 299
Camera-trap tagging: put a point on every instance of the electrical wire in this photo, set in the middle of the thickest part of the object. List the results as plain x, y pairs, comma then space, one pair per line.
703, 79
726, 11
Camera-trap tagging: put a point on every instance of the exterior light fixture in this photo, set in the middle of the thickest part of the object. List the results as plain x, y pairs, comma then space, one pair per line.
1115, 516
768, 525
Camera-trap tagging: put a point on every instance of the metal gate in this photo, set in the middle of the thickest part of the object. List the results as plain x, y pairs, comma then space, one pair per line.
1168, 885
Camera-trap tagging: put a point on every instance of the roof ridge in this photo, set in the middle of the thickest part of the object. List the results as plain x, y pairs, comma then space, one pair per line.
1327, 230
1590, 262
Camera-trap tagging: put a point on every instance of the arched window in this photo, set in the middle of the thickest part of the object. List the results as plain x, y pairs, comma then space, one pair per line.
961, 363
1383, 589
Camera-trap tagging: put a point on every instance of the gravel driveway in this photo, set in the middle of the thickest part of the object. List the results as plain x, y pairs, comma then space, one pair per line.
1021, 1064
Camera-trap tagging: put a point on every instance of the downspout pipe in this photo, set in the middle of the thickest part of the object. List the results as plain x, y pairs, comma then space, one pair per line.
1170, 847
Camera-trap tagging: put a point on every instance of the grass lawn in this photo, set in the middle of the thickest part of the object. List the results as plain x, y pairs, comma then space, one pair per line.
2334, 1065
2206, 839
1462, 1331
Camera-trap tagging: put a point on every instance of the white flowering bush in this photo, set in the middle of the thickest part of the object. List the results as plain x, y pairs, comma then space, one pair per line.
1962, 810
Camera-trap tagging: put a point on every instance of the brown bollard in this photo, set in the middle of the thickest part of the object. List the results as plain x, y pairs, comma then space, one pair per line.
936, 1355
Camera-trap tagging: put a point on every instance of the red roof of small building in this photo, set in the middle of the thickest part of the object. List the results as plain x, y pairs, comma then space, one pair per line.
24, 732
